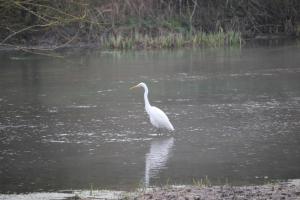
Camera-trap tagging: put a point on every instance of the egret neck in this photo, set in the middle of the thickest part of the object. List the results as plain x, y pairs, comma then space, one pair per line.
147, 104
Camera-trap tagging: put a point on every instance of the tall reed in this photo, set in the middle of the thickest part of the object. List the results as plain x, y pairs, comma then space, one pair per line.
171, 40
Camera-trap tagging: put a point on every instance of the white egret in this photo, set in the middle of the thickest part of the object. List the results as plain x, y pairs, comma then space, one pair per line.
157, 117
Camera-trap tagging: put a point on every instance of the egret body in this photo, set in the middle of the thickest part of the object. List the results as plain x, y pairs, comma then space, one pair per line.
157, 117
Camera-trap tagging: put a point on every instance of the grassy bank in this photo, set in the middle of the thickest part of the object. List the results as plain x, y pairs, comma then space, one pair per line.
130, 24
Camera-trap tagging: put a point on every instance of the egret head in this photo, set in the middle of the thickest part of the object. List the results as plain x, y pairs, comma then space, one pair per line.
139, 85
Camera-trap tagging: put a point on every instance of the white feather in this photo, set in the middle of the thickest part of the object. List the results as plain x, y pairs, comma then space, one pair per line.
159, 119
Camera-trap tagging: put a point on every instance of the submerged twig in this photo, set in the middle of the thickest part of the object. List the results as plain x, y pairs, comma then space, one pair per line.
41, 53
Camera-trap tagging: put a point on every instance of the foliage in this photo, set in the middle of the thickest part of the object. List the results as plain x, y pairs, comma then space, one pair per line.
144, 24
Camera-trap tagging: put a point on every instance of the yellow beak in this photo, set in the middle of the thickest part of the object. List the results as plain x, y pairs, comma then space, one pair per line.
133, 87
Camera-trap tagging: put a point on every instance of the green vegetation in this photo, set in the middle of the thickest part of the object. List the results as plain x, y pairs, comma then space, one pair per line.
172, 40
202, 182
134, 24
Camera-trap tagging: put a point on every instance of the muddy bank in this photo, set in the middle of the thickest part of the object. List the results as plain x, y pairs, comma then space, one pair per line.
281, 190
278, 191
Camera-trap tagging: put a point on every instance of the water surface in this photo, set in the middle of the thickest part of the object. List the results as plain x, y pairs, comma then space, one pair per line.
73, 123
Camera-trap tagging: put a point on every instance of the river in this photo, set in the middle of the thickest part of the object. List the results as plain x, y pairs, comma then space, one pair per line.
73, 123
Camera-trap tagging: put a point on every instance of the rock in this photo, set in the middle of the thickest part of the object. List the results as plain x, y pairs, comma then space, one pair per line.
171, 196
197, 198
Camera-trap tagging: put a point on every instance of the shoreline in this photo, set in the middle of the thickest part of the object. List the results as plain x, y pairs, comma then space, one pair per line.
280, 190
46, 48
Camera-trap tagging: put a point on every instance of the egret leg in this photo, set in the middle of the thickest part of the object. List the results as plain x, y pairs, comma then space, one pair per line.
159, 132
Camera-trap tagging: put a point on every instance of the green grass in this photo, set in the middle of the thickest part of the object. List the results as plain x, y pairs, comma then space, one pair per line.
171, 40
203, 182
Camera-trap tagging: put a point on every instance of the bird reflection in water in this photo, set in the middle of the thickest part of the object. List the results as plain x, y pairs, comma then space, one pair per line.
157, 158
